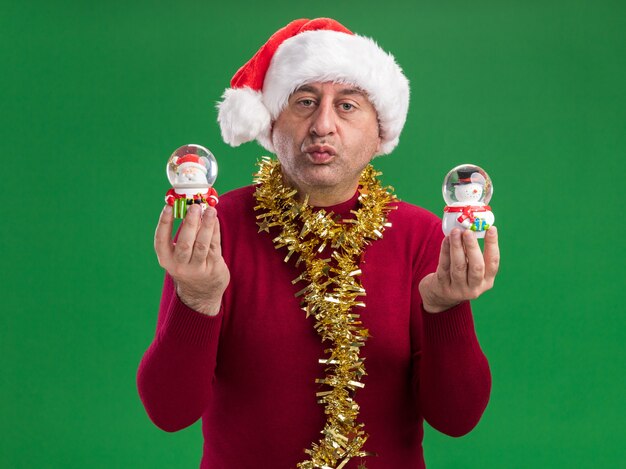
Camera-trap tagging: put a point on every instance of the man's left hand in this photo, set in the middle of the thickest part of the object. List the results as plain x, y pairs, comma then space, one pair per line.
464, 272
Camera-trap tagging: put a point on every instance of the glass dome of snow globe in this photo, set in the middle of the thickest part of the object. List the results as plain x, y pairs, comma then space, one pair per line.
467, 184
192, 167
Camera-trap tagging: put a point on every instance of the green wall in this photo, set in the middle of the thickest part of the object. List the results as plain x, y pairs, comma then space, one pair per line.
95, 97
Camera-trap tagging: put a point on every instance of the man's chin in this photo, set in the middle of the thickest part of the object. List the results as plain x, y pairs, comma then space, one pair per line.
319, 170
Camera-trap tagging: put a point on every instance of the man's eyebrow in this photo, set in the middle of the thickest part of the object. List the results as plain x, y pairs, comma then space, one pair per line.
353, 91
345, 91
306, 89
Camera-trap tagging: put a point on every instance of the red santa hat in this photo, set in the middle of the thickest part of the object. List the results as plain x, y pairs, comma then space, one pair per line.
307, 51
191, 160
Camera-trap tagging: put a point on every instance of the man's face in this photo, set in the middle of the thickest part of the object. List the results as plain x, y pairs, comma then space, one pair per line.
325, 137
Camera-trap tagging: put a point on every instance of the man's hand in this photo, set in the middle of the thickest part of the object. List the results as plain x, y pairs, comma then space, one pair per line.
463, 272
195, 261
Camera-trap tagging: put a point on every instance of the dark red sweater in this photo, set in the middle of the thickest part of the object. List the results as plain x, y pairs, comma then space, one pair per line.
250, 371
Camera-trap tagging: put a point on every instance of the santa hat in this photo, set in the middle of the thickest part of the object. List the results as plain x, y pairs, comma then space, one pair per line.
190, 160
307, 51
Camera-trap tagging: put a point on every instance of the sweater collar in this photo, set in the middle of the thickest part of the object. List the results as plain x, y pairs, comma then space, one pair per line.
343, 209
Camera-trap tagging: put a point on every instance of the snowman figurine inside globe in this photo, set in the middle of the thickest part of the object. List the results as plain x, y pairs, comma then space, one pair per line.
191, 170
467, 189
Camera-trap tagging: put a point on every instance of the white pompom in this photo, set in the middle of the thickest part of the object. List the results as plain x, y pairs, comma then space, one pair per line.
243, 117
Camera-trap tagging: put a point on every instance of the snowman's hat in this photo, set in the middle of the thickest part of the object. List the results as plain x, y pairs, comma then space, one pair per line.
191, 160
465, 176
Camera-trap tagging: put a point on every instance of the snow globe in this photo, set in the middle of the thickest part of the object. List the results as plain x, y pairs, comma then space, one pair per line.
191, 170
467, 189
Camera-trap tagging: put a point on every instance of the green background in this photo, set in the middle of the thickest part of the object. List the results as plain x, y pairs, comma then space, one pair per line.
95, 97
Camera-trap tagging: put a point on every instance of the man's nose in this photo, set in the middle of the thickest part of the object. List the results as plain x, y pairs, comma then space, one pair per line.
324, 119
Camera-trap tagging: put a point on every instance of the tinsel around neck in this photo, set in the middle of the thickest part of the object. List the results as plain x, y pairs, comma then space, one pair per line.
332, 294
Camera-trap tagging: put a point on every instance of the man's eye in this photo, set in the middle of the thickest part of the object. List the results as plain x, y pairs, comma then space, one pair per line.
347, 106
306, 102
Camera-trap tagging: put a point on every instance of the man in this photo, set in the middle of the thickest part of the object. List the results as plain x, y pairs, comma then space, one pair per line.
318, 321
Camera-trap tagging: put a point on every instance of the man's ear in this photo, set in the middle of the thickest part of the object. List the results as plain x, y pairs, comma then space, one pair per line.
380, 136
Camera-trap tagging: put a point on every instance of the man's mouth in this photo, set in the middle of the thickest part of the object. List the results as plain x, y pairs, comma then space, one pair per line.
320, 154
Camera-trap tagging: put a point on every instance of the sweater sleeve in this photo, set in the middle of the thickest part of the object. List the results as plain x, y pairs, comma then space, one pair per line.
451, 374
175, 374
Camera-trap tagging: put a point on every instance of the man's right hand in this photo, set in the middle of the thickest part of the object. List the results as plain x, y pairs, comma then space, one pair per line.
195, 261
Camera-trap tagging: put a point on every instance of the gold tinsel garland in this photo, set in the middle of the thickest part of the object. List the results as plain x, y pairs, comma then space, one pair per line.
331, 295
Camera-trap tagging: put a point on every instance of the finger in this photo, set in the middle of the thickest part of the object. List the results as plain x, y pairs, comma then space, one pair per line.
492, 254
216, 241
163, 237
187, 235
475, 261
204, 236
458, 261
443, 268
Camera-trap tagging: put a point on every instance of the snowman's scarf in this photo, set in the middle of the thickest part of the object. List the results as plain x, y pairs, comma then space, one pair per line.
467, 211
